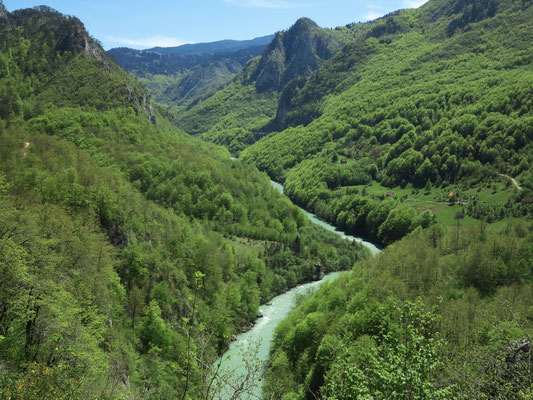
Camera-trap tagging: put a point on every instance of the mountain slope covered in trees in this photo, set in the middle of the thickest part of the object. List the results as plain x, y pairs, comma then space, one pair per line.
438, 315
426, 106
178, 75
435, 99
236, 114
130, 252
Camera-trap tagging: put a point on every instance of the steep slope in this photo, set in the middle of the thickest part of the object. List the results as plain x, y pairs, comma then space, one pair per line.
237, 114
131, 253
436, 316
178, 75
438, 97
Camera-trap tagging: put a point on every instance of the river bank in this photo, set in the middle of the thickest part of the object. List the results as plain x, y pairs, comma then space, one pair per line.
241, 366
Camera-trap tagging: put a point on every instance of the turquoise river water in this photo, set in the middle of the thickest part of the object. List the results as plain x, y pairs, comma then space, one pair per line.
234, 365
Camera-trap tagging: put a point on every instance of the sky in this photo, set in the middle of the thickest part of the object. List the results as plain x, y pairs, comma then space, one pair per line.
144, 24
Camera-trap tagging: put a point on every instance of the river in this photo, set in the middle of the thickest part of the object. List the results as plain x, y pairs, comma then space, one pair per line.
313, 218
256, 342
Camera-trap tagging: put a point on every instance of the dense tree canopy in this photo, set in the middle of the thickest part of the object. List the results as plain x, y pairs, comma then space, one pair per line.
130, 252
438, 315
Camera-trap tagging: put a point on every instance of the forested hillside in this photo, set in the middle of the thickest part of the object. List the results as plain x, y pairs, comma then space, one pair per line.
237, 114
130, 253
437, 315
409, 113
435, 99
428, 109
176, 76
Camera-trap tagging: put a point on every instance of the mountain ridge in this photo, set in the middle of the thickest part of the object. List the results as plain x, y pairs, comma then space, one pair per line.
219, 46
293, 54
179, 75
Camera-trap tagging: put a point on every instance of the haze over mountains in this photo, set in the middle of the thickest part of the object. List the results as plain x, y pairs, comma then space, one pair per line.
132, 249
190, 70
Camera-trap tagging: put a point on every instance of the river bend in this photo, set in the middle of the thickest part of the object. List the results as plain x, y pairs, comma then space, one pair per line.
257, 340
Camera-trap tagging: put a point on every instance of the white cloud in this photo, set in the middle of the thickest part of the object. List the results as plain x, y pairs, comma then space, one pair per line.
145, 43
371, 15
262, 3
415, 3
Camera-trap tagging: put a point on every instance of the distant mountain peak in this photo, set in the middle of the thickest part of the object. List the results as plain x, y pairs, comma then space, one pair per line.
3, 10
218, 47
304, 23
293, 53
194, 69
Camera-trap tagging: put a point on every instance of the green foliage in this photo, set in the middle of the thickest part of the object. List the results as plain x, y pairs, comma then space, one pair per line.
130, 252
327, 188
439, 94
376, 339
230, 116
399, 366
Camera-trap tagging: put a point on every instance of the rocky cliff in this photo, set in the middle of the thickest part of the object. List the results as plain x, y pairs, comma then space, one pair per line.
294, 53
3, 11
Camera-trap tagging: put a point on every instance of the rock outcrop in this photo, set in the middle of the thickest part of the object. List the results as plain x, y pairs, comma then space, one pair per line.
3, 10
142, 104
293, 54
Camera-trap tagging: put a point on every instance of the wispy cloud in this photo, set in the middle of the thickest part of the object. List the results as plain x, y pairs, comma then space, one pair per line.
371, 15
144, 43
414, 3
262, 3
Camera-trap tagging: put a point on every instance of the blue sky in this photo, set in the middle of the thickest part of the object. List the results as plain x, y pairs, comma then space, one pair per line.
144, 24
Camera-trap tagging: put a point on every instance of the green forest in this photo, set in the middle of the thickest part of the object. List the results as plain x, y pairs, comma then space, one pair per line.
432, 98
441, 314
130, 253
133, 249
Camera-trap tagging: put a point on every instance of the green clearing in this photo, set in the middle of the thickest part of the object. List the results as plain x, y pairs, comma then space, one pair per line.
436, 201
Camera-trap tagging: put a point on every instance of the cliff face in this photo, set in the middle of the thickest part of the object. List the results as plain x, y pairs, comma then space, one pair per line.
3, 10
292, 54
73, 60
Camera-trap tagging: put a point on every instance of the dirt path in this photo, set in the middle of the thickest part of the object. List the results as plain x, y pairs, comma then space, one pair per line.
442, 203
512, 180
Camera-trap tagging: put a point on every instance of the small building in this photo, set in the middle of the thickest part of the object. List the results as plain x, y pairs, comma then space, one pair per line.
344, 161
452, 197
390, 194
